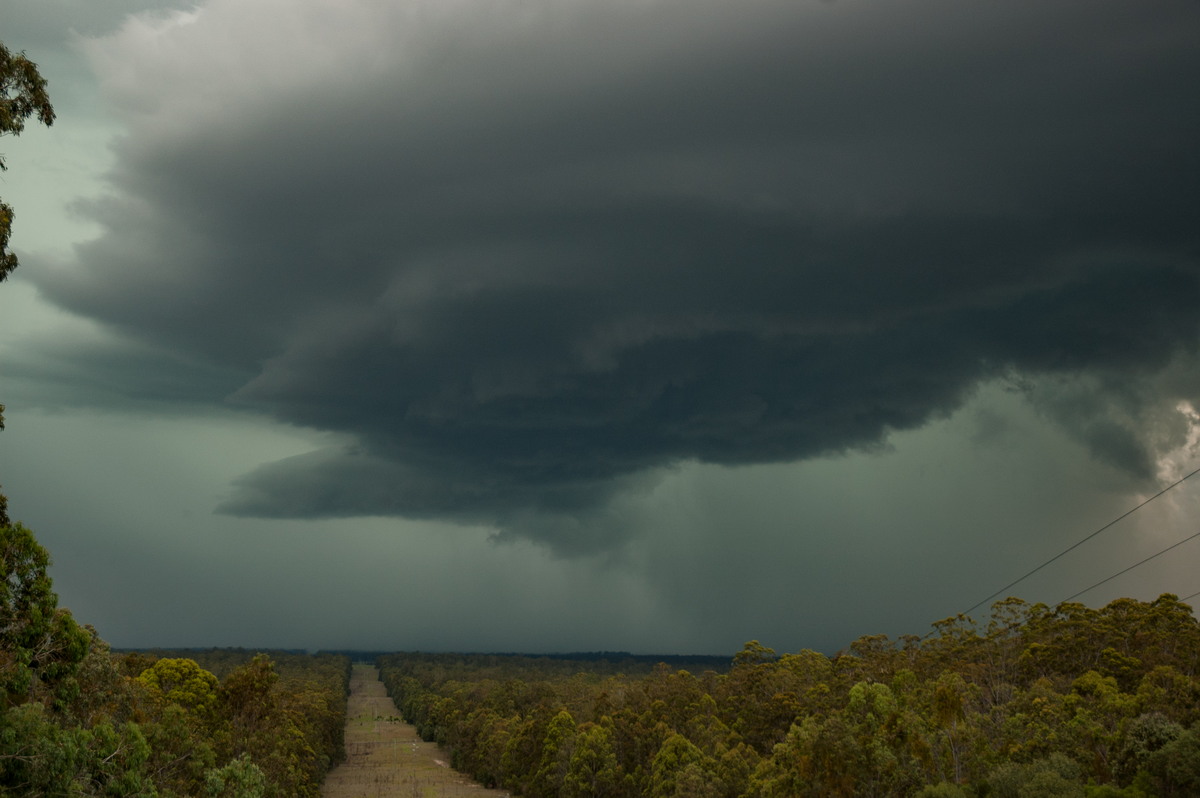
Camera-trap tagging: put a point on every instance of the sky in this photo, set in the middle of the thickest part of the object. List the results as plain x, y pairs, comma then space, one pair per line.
574, 325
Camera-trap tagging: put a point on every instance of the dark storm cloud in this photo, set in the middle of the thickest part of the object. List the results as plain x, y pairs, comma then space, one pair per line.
522, 258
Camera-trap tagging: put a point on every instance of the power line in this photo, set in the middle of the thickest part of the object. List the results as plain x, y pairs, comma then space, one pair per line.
1130, 568
1081, 542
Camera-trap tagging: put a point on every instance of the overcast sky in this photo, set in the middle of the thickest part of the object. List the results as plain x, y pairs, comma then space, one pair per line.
649, 325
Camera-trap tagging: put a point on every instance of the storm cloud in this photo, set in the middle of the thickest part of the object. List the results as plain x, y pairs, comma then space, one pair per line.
520, 257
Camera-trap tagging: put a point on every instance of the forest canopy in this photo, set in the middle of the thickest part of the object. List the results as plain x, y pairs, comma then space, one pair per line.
22, 95
1039, 701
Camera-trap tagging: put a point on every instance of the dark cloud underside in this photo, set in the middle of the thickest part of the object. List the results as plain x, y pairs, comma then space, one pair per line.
521, 260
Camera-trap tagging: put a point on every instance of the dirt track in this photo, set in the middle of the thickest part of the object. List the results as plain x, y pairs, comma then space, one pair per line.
386, 757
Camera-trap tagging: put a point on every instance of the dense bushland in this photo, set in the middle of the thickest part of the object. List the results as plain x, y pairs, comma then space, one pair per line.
1040, 701
79, 720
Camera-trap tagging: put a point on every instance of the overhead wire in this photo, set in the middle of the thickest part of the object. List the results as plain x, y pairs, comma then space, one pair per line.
1130, 568
1076, 545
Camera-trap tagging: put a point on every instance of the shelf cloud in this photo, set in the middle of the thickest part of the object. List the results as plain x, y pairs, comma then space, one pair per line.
518, 258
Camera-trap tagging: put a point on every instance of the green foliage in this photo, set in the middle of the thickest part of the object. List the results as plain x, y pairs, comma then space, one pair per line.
795, 767
941, 790
116, 759
181, 682
678, 767
557, 747
592, 771
1109, 791
1145, 735
1174, 769
753, 653
22, 95
27, 601
40, 644
241, 778
1043, 701
42, 752
180, 753
36, 755
1054, 776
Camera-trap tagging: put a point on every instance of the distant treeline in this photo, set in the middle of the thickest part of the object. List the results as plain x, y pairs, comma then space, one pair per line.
1041, 701
290, 663
601, 661
79, 720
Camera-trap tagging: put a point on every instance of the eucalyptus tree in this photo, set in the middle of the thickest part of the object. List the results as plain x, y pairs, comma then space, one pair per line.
22, 96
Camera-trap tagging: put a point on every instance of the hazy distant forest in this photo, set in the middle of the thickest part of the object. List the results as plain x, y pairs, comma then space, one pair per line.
1034, 701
